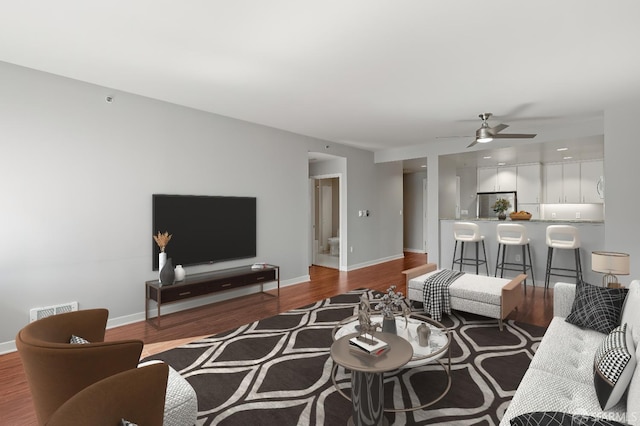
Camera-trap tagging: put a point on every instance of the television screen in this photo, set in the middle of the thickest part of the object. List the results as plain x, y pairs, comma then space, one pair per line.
205, 229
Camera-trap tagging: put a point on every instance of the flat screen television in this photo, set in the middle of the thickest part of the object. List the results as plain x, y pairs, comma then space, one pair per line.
205, 229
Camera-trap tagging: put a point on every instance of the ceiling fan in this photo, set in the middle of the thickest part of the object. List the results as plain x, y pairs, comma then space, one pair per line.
486, 133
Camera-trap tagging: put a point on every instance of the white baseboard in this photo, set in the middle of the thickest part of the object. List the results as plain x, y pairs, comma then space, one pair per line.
375, 262
411, 250
10, 346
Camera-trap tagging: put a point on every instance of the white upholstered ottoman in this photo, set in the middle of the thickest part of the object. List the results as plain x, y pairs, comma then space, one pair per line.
181, 402
477, 294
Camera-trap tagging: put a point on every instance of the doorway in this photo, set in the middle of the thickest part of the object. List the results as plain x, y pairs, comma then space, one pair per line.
326, 222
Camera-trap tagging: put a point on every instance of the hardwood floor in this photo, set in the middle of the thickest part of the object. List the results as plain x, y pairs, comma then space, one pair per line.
15, 400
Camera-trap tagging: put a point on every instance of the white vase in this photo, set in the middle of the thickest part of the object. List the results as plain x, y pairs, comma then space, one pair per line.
162, 259
180, 273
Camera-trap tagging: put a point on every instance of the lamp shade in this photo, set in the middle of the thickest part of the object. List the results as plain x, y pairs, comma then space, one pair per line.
610, 262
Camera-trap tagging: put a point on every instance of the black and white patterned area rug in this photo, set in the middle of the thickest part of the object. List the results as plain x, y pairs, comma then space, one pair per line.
277, 371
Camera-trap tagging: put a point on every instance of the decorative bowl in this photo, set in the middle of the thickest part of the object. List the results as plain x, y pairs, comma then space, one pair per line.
521, 215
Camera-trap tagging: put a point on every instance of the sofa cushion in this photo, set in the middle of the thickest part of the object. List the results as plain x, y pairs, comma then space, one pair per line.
568, 351
556, 418
544, 391
597, 308
614, 364
479, 288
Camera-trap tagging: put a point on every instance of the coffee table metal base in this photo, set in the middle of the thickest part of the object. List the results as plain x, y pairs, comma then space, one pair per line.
367, 390
445, 366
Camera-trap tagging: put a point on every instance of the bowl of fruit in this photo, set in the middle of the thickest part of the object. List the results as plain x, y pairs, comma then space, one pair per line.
521, 215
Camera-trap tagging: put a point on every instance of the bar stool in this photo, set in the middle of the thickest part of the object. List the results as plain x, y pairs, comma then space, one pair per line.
563, 237
512, 234
468, 232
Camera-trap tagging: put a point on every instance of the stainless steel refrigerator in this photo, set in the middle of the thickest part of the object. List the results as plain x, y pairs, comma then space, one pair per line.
486, 200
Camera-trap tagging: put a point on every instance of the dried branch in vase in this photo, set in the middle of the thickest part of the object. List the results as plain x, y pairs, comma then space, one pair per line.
162, 240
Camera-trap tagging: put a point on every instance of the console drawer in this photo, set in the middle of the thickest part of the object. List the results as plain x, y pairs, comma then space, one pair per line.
260, 276
225, 284
172, 294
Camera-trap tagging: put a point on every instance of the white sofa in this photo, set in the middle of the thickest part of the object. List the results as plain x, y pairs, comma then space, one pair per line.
560, 377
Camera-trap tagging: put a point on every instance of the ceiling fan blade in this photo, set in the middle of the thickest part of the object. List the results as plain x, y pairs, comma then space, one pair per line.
475, 141
514, 136
498, 128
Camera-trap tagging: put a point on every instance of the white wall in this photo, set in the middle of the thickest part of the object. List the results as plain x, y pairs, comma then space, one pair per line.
387, 212
468, 191
413, 214
622, 200
77, 177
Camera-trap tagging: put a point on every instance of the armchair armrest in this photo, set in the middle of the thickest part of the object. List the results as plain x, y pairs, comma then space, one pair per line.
418, 270
563, 296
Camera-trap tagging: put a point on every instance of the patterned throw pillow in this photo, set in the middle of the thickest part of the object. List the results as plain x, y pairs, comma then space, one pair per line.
124, 422
554, 418
597, 308
614, 364
77, 340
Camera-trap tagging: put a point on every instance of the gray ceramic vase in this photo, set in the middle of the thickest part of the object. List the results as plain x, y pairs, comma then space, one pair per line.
167, 274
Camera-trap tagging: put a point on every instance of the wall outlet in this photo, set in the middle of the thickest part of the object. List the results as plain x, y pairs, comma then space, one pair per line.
351, 249
553, 215
464, 212
518, 258
577, 215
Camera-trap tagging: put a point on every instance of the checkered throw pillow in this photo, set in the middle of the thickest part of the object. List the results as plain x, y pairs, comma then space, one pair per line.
614, 364
77, 340
597, 308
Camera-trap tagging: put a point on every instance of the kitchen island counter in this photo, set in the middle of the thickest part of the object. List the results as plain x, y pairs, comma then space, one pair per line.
550, 221
591, 237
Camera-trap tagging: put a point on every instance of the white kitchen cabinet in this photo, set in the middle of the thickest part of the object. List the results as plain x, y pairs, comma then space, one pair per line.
562, 183
486, 179
506, 178
592, 182
553, 187
528, 184
496, 179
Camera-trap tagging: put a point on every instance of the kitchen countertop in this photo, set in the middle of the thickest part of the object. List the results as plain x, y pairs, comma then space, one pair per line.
495, 219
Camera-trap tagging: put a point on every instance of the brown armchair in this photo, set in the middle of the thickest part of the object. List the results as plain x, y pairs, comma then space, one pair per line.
56, 370
136, 395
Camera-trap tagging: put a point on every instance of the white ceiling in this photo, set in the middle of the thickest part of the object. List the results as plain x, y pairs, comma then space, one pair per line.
368, 73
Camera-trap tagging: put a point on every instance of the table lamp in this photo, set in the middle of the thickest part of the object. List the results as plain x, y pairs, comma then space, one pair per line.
611, 264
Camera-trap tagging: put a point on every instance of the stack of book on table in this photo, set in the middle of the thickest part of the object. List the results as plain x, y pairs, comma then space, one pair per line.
368, 344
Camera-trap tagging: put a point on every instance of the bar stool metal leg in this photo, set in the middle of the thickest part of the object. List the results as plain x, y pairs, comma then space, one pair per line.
578, 266
455, 249
533, 280
486, 263
548, 270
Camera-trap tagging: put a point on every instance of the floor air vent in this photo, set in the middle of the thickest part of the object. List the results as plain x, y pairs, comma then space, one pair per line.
47, 311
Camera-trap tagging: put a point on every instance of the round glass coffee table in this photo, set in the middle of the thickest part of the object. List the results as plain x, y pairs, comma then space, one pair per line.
438, 350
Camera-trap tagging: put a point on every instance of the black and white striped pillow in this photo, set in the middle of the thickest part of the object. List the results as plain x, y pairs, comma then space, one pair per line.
614, 364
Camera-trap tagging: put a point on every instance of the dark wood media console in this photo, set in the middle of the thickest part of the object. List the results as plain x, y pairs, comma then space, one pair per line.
206, 283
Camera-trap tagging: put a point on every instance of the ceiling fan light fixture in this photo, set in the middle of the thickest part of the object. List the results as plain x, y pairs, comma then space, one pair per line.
483, 135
